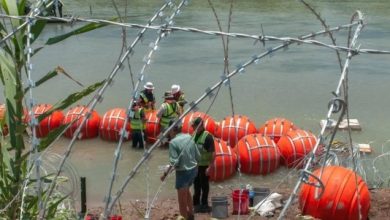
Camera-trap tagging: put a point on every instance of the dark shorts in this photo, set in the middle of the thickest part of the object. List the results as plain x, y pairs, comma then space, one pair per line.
185, 178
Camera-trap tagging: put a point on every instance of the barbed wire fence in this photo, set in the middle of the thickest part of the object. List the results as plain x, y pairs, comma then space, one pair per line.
162, 31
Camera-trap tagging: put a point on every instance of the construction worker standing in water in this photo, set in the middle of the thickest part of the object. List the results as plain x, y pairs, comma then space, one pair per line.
168, 111
178, 95
147, 98
137, 123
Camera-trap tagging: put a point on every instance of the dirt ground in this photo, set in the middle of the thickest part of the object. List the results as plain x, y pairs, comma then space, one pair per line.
167, 208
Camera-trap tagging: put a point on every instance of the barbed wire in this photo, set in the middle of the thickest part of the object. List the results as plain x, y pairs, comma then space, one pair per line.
34, 156
224, 79
218, 33
97, 98
193, 105
123, 132
147, 61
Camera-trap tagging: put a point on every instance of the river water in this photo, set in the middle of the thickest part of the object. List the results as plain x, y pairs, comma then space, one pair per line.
295, 84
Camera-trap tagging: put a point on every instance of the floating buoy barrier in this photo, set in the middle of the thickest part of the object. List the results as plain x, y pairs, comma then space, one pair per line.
225, 162
208, 122
294, 146
232, 129
112, 124
276, 128
51, 122
90, 128
152, 126
345, 196
258, 154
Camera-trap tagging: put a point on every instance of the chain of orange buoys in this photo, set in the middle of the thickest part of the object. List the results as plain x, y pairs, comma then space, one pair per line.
225, 80
332, 109
241, 67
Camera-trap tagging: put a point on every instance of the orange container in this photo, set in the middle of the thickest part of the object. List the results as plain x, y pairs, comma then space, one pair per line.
240, 202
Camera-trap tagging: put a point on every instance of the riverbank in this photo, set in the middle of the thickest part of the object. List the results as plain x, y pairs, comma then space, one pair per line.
167, 208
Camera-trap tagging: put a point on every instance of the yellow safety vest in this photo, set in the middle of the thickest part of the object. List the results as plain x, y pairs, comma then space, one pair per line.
169, 114
205, 156
137, 122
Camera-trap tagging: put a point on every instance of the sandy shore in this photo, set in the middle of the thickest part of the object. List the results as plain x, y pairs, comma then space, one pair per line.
167, 208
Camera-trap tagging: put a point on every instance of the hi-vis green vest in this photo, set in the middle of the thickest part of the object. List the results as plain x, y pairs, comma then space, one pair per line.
169, 114
205, 156
136, 122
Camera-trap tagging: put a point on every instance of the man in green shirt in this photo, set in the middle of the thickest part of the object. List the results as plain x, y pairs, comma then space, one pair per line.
183, 157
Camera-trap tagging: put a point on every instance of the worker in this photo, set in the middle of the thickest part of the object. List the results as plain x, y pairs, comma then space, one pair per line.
205, 144
147, 98
168, 111
183, 157
137, 123
56, 8
179, 96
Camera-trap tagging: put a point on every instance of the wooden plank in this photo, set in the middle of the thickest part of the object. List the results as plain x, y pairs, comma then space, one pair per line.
353, 124
365, 148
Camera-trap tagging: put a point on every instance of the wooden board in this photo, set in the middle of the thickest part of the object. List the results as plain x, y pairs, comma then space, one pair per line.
353, 124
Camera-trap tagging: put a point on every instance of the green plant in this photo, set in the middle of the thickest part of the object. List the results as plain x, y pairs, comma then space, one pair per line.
15, 162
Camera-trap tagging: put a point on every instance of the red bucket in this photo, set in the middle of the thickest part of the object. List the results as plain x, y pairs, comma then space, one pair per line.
240, 202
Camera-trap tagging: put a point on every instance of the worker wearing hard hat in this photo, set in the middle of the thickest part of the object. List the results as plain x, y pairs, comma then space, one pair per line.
168, 111
147, 98
178, 95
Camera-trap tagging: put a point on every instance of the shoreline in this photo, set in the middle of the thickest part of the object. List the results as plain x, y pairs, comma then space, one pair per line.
167, 208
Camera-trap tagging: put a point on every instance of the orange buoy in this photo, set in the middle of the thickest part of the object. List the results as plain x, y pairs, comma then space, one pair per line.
258, 154
232, 129
209, 122
152, 126
276, 128
225, 162
112, 123
294, 146
345, 197
4, 128
90, 128
51, 122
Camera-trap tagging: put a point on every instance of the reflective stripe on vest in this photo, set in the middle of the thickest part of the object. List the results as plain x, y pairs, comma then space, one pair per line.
169, 114
136, 122
205, 156
144, 98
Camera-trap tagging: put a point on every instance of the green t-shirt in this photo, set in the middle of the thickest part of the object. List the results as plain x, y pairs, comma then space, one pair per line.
190, 156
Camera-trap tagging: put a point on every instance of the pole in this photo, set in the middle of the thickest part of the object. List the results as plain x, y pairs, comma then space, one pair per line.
83, 196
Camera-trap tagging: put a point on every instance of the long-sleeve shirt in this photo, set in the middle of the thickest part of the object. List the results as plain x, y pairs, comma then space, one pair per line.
190, 156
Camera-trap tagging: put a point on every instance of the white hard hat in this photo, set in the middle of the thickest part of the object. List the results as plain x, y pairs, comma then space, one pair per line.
149, 85
175, 88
